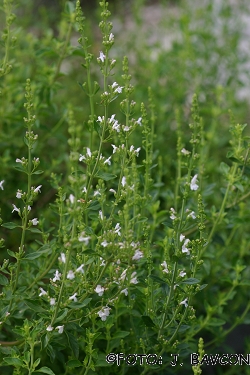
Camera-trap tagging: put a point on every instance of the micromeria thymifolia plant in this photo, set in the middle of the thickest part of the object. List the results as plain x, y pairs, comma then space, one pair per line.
120, 283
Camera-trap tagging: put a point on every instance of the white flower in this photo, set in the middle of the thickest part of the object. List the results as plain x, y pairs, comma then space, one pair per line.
81, 238
184, 247
101, 215
139, 121
123, 181
84, 190
185, 152
19, 194
49, 328
112, 191
126, 128
29, 208
184, 302
37, 189
133, 279
114, 85
104, 313
100, 119
111, 37
102, 57
60, 329
107, 161
117, 229
137, 151
192, 215
116, 126
103, 262
138, 255
57, 276
99, 290
118, 89
125, 291
82, 157
172, 216
70, 275
123, 275
114, 148
88, 152
15, 209
182, 274
34, 221
71, 198
52, 301
104, 243
1, 184
19, 161
74, 298
193, 185
182, 237
165, 266
43, 293
80, 269
62, 258
97, 192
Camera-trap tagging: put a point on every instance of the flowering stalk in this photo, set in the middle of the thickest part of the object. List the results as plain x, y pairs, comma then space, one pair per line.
30, 139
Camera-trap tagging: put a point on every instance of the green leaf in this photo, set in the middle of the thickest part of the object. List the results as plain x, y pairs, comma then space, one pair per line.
34, 230
10, 225
11, 253
168, 223
224, 168
157, 279
13, 361
79, 305
3, 280
45, 370
203, 286
19, 168
215, 322
73, 343
190, 281
34, 306
106, 176
120, 334
39, 171
72, 363
43, 250
62, 316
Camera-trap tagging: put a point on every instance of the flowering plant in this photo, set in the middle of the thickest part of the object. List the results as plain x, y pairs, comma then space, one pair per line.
106, 255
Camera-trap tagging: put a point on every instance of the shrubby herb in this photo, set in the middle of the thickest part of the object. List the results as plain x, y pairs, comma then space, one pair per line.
106, 251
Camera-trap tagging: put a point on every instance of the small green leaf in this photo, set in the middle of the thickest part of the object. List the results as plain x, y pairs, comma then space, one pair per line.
45, 370
34, 306
34, 230
72, 363
190, 281
11, 253
3, 280
10, 225
13, 361
215, 322
106, 176
73, 343
38, 172
120, 334
203, 286
77, 305
224, 168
